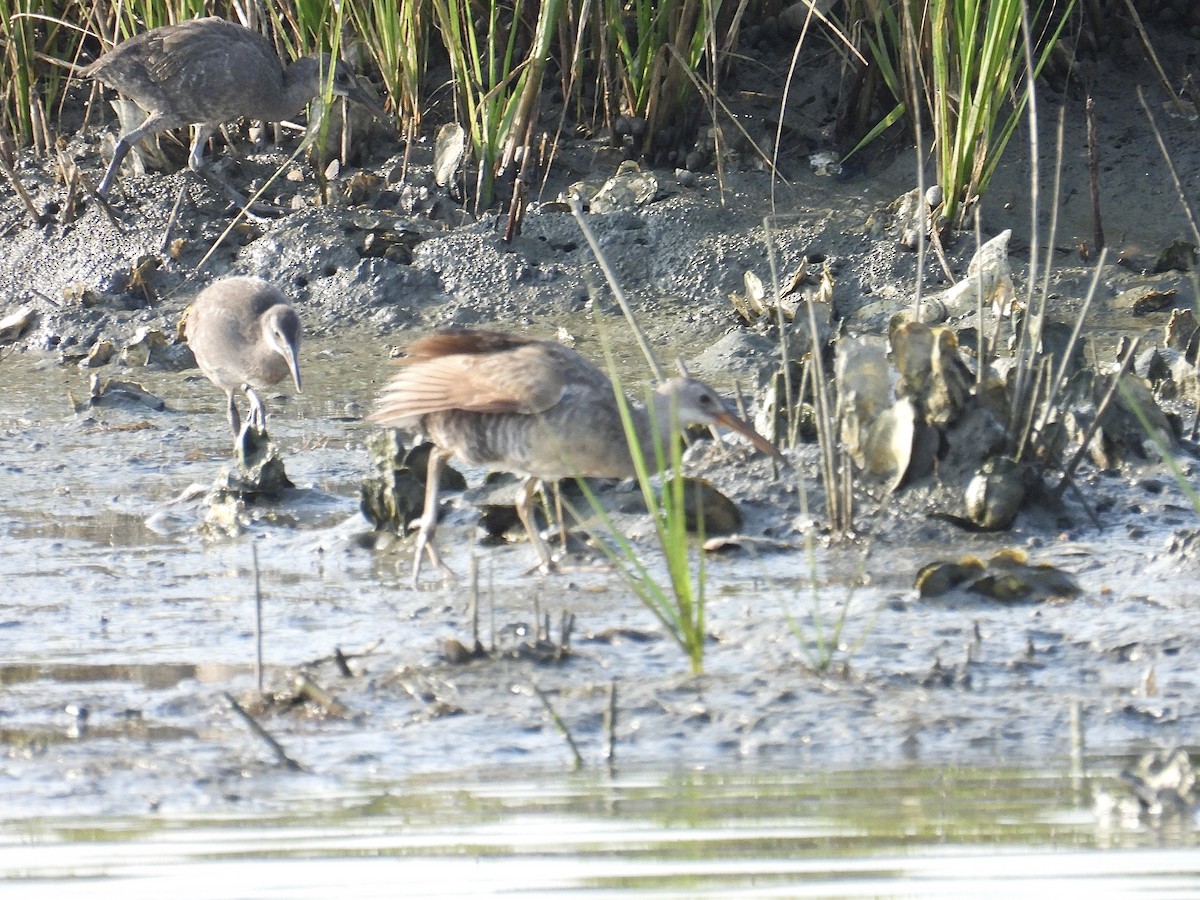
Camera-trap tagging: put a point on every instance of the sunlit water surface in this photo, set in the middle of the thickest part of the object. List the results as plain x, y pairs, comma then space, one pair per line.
903, 832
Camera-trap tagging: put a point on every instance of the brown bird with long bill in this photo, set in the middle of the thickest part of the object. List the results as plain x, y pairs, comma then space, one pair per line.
534, 408
206, 72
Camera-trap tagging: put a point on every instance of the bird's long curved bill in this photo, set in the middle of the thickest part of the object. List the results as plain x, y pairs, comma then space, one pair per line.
359, 94
733, 423
293, 361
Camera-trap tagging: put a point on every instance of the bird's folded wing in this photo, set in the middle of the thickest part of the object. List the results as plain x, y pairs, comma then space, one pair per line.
524, 380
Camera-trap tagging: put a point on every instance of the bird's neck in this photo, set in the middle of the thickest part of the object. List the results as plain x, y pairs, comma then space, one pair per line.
301, 83
656, 423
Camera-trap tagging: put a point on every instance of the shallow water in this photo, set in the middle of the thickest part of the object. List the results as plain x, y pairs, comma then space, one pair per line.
1001, 831
123, 628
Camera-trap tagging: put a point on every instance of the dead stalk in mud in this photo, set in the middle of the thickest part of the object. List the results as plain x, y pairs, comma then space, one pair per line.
1101, 409
164, 245
618, 294
1093, 152
1027, 340
258, 633
840, 519
473, 601
790, 398
560, 725
982, 350
914, 66
610, 725
281, 756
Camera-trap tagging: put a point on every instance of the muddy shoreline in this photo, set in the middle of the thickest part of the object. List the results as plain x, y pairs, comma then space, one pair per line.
121, 609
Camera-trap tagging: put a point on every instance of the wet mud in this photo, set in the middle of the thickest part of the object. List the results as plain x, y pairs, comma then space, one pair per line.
127, 623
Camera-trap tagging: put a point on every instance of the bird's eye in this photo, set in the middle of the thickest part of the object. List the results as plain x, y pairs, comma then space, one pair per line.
342, 78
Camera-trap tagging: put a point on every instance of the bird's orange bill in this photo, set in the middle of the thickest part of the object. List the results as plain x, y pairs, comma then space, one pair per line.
733, 423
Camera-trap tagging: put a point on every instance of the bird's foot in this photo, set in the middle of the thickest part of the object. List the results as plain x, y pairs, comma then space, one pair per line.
425, 548
548, 567
448, 576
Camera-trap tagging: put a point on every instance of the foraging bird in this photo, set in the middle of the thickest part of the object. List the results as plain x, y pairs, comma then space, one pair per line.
535, 408
206, 72
244, 335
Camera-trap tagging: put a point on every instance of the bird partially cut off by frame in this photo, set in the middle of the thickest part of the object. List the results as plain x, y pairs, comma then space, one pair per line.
534, 408
206, 72
244, 335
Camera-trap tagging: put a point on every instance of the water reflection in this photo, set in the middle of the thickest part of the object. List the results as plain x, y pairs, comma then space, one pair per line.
904, 832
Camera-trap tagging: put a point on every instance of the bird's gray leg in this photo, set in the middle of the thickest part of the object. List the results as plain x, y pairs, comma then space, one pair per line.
429, 517
258, 412
558, 511
197, 164
196, 154
165, 243
525, 513
235, 421
150, 125
119, 154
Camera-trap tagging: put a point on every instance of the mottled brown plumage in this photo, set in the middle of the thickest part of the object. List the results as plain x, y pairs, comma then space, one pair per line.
535, 408
244, 335
206, 72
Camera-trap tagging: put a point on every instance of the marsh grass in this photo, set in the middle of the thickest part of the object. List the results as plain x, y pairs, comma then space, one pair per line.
32, 35
652, 82
656, 61
981, 55
970, 64
119, 21
395, 33
643, 56
814, 383
678, 601
20, 50
497, 59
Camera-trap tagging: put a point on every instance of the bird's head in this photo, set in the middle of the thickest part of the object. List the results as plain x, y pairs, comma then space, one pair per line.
281, 331
345, 82
695, 403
